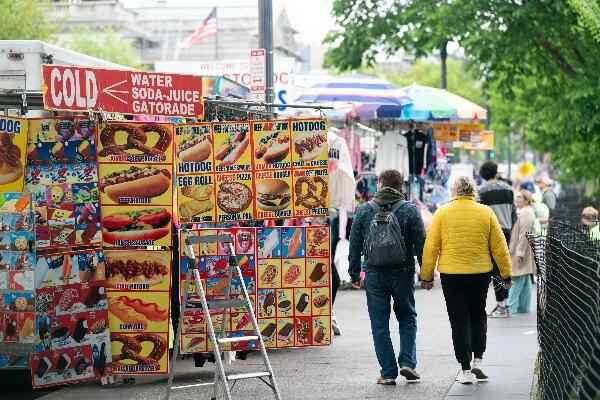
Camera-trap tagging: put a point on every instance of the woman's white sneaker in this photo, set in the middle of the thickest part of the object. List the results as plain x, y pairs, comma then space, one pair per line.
478, 369
466, 377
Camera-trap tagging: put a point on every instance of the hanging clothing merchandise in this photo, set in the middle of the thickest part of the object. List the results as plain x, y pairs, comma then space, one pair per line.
417, 150
353, 145
392, 153
341, 176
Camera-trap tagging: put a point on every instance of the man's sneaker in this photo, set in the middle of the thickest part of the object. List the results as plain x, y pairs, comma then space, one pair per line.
466, 377
410, 374
478, 369
500, 312
384, 381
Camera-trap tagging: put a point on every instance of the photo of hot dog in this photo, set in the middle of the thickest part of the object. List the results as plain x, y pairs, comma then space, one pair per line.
233, 148
273, 147
309, 145
151, 224
136, 182
196, 148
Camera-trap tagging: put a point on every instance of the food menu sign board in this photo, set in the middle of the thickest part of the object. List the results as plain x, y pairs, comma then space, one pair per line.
71, 317
287, 273
62, 174
139, 284
13, 141
249, 170
464, 136
135, 183
127, 92
17, 261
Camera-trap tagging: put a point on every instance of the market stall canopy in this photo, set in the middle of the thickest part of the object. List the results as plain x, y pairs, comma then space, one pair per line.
355, 88
375, 111
429, 103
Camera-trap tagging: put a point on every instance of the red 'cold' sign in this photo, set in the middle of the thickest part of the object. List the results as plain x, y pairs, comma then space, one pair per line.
119, 91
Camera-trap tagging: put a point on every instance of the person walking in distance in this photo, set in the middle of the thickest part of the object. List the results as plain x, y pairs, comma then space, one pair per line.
500, 198
461, 237
544, 183
521, 255
389, 232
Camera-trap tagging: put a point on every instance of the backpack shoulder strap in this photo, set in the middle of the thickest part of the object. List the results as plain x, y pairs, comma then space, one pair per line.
398, 205
374, 206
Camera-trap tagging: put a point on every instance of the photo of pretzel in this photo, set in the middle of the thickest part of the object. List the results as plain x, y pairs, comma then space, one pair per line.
137, 139
132, 346
311, 198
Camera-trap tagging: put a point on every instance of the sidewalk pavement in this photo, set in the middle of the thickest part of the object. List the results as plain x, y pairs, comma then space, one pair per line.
348, 369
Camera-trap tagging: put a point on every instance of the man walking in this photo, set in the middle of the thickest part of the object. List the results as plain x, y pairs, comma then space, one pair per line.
389, 232
500, 198
544, 183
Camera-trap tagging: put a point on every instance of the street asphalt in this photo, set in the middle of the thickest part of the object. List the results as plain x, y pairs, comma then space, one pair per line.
347, 369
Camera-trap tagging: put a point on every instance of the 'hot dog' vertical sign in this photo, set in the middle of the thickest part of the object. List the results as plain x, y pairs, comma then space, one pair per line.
135, 163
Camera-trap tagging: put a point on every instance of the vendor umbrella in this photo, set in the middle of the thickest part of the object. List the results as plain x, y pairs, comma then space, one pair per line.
429, 103
355, 88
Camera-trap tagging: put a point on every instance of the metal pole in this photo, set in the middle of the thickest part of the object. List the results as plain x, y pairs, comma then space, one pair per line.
217, 34
265, 41
509, 155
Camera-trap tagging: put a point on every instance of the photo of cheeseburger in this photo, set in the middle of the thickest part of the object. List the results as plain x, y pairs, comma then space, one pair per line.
273, 195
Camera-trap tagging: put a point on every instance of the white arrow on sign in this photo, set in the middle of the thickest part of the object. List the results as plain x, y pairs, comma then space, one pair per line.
110, 92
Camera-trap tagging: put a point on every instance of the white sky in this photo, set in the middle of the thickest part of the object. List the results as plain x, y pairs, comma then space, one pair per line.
311, 18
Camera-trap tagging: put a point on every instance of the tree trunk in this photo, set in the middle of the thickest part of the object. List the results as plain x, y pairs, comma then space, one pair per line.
443, 57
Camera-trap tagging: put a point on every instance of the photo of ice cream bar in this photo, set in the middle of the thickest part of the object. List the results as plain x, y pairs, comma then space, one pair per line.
268, 332
286, 332
302, 303
318, 272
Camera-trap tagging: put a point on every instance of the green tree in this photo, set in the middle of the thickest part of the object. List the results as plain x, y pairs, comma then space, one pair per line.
25, 19
538, 61
106, 45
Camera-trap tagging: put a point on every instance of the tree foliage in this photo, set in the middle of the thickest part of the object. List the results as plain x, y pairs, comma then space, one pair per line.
25, 19
106, 44
538, 61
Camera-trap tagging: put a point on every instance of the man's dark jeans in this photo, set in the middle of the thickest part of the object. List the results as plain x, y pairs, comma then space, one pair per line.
381, 287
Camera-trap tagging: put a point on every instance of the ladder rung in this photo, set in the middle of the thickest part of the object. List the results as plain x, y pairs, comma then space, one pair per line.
237, 339
249, 375
208, 239
192, 386
219, 304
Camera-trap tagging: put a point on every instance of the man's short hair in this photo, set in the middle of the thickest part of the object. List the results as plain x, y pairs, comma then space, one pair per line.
488, 170
391, 178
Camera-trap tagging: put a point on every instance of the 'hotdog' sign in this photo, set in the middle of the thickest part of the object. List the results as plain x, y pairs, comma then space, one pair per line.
119, 91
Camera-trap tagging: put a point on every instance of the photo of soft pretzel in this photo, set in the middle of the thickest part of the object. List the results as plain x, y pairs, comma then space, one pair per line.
132, 346
137, 139
151, 311
311, 197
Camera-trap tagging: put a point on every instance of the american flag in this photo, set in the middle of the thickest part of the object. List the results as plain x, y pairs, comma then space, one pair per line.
208, 28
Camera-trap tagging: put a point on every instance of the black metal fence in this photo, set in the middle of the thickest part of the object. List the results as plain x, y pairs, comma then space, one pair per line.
568, 296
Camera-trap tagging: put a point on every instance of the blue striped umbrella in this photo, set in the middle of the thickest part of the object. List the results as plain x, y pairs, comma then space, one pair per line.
355, 88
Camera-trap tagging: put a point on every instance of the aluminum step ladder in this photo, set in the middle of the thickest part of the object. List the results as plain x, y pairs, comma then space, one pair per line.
218, 339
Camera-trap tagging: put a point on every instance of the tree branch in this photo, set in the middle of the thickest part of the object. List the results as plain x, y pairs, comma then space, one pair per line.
555, 54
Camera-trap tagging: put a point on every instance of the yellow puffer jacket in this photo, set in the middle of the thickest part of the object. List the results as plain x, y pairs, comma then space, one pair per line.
461, 236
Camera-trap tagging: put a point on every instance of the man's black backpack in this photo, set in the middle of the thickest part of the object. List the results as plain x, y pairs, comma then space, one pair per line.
384, 245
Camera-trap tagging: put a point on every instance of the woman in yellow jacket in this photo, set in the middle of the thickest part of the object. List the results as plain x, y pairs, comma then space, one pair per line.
462, 236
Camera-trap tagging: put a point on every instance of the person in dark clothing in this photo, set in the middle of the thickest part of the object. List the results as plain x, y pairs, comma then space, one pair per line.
385, 283
500, 198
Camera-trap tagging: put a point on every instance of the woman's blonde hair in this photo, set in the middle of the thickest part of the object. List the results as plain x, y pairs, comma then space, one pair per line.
464, 186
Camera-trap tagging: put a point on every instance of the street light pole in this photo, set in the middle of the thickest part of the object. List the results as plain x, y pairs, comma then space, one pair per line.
265, 41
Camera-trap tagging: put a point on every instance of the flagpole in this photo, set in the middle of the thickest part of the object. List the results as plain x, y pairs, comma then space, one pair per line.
216, 35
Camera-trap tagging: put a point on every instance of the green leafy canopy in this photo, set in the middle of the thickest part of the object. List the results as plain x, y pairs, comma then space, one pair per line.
538, 61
